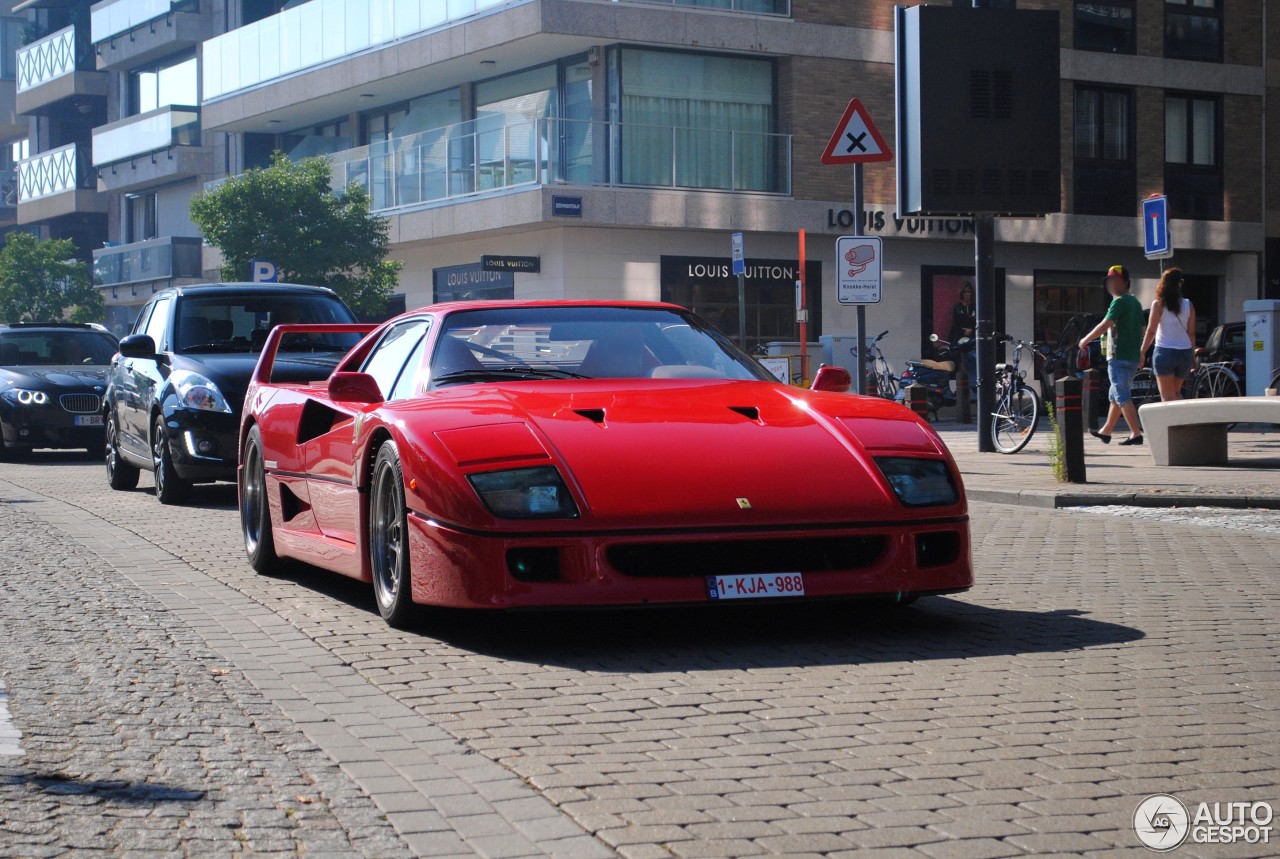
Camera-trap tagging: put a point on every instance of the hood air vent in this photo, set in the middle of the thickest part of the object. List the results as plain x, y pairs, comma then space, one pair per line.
751, 413
596, 415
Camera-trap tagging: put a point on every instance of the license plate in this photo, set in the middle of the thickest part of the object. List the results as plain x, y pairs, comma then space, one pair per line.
743, 587
88, 420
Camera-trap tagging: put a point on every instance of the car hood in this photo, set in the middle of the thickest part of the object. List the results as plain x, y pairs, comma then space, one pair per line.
46, 377
711, 453
231, 373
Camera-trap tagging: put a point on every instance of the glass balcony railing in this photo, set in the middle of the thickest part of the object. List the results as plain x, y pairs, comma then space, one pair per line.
484, 156
153, 259
120, 16
756, 7
55, 172
157, 130
321, 31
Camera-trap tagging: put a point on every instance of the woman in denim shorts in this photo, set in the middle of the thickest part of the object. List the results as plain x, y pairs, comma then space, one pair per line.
1171, 326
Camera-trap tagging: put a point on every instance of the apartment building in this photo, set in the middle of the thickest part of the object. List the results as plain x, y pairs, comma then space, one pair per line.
619, 142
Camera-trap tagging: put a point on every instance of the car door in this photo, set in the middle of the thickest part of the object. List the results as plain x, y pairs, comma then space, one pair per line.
329, 458
145, 376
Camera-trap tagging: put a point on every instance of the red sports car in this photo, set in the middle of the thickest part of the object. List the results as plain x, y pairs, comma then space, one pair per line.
509, 455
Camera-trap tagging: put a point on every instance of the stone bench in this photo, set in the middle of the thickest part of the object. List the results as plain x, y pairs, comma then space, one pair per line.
1194, 432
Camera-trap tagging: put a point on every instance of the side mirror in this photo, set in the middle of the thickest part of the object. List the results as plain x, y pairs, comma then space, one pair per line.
835, 380
138, 346
359, 388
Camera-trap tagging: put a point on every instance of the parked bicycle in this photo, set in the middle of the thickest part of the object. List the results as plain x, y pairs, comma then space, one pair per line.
1018, 405
1209, 379
881, 382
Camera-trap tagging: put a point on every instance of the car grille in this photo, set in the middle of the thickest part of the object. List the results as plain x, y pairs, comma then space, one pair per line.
81, 404
727, 557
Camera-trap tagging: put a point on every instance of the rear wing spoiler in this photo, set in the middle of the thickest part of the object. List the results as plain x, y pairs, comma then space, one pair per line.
267, 361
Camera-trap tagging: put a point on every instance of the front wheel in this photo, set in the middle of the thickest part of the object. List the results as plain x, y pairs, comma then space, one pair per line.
1015, 419
1216, 382
170, 488
121, 475
389, 539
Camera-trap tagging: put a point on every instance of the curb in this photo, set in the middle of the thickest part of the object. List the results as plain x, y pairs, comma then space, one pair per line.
1048, 499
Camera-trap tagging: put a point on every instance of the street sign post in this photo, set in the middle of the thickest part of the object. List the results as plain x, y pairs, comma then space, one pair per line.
1157, 240
739, 254
857, 141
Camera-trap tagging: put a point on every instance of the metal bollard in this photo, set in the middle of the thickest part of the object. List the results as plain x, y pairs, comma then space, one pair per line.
964, 408
1071, 428
917, 398
1089, 399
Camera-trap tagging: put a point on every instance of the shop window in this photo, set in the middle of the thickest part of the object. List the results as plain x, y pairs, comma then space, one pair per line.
1105, 169
1193, 29
1105, 25
1067, 305
1193, 163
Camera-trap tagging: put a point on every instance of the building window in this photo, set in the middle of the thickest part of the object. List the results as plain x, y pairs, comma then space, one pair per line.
1193, 166
1105, 168
142, 216
159, 86
1193, 29
697, 121
1105, 25
1068, 305
10, 41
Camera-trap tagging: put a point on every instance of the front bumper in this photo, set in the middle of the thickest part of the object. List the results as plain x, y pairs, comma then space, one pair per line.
461, 569
49, 426
203, 445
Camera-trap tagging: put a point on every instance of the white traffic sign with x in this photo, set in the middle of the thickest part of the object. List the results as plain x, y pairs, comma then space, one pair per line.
857, 140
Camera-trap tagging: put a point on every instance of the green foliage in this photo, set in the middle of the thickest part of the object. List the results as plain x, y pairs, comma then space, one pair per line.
41, 281
288, 213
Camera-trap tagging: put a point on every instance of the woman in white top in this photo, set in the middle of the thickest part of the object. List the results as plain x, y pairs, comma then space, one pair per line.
1171, 326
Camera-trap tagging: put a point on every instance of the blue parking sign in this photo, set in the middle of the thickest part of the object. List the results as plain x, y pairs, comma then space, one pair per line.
1157, 243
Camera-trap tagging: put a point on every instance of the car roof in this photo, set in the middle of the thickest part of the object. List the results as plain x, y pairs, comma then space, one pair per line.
49, 326
241, 287
445, 308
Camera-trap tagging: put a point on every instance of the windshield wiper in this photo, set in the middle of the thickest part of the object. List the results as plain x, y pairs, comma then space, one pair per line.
487, 373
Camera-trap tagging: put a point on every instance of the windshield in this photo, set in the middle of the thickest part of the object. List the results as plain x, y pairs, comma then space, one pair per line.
56, 347
584, 342
240, 323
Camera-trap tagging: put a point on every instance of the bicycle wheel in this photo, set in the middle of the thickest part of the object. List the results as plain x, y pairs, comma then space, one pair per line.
1275, 381
1015, 419
1217, 382
887, 386
1144, 388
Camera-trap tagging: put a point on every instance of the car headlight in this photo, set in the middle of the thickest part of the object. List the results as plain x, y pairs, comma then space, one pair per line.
919, 482
525, 493
196, 392
26, 397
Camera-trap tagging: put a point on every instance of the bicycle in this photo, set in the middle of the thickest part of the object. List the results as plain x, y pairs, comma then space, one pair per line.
881, 382
1210, 379
1018, 406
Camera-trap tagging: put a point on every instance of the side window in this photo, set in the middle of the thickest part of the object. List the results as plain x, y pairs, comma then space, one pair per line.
405, 385
158, 322
140, 324
392, 352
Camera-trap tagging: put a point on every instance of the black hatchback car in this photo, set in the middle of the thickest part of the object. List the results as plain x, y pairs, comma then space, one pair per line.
176, 389
52, 377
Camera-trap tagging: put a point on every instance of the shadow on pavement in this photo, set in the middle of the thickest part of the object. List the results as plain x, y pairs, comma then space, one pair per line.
717, 637
121, 792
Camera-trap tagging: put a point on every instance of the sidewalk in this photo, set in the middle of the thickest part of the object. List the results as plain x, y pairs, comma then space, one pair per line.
1118, 475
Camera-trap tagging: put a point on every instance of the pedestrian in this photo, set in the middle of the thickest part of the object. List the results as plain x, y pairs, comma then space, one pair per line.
1123, 325
964, 321
1171, 326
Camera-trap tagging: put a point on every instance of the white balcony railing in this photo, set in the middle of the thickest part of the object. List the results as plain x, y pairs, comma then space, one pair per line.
321, 31
113, 17
152, 259
48, 59
154, 131
54, 172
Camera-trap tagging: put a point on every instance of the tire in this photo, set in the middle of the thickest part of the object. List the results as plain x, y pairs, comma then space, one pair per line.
170, 488
255, 510
388, 540
1015, 419
1216, 382
121, 476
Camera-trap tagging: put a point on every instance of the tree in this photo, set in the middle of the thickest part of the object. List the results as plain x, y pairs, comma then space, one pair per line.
288, 213
41, 280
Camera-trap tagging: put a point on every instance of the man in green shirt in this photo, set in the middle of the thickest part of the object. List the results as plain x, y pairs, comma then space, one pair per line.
1124, 354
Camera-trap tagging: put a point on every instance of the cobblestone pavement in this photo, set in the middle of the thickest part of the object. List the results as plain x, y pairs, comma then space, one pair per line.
1099, 659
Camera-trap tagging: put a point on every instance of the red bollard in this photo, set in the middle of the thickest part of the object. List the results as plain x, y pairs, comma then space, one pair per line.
964, 409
